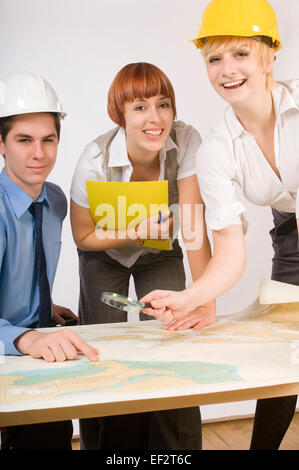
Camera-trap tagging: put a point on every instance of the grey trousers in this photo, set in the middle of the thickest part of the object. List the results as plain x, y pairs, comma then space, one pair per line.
274, 415
178, 429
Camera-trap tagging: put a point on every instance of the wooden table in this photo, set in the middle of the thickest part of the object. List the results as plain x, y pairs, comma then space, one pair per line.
233, 360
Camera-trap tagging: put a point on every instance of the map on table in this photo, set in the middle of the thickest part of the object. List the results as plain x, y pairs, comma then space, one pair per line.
258, 347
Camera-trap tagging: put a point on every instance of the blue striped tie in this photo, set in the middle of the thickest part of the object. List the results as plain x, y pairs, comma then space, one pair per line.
45, 304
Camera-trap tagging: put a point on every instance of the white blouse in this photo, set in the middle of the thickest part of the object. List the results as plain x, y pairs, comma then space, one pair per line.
230, 155
90, 164
90, 168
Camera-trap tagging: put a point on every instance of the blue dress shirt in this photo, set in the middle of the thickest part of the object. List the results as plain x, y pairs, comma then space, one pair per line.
19, 292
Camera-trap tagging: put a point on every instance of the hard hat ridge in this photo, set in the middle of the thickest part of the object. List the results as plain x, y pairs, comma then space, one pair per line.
248, 18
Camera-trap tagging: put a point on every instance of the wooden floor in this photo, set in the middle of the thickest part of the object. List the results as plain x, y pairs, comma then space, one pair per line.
236, 435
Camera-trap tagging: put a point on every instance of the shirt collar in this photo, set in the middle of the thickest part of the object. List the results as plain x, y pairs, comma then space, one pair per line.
233, 123
118, 155
169, 144
19, 199
118, 150
282, 99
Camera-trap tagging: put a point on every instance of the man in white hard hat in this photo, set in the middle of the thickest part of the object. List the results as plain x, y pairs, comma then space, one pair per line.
31, 215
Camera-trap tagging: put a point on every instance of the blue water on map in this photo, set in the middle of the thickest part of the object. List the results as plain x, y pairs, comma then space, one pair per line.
197, 372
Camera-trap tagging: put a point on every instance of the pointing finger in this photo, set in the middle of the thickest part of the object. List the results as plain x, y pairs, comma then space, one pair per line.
90, 352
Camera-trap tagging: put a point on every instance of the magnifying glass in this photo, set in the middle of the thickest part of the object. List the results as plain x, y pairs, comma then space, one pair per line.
123, 303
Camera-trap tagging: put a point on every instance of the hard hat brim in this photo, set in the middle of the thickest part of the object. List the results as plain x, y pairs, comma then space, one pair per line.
16, 112
199, 42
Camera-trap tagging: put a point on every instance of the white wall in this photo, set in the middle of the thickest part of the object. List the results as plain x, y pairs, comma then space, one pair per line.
79, 47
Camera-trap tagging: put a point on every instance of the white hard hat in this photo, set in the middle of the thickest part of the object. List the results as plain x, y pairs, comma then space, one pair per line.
27, 92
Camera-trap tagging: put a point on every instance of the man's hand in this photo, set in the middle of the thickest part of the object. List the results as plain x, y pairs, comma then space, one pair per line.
61, 313
59, 346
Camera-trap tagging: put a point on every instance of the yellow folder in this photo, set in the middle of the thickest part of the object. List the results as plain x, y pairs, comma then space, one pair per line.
119, 205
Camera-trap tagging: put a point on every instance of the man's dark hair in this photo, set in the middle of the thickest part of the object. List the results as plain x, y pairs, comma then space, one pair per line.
6, 124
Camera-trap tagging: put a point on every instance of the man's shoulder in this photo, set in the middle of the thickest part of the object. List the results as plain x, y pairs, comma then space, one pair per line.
57, 199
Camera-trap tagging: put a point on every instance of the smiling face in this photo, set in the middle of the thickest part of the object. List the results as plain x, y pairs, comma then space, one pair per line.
236, 70
148, 122
30, 150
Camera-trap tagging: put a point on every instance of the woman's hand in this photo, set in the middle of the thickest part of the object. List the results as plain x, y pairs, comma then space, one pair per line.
156, 227
91, 237
197, 319
174, 308
167, 304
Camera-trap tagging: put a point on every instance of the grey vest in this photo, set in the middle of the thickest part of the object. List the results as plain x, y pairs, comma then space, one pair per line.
129, 254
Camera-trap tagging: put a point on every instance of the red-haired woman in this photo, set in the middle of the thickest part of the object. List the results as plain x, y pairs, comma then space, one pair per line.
147, 145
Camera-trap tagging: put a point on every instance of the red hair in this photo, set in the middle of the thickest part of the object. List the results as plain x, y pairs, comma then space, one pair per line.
137, 81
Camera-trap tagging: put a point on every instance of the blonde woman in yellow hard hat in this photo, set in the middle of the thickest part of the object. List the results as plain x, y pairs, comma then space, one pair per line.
256, 145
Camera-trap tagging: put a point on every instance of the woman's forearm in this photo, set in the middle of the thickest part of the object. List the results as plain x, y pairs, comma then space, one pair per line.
223, 270
100, 240
89, 237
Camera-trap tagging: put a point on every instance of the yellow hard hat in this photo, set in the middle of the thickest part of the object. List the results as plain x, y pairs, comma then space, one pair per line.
238, 18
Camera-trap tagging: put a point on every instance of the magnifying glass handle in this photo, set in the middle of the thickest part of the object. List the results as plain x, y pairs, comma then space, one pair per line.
146, 305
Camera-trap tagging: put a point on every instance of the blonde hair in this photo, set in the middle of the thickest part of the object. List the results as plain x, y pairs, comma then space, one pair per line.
220, 44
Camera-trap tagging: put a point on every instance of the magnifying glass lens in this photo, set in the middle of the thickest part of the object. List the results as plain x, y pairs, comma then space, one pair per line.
123, 303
